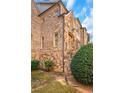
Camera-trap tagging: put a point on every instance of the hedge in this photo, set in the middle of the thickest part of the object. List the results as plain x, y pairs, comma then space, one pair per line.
82, 65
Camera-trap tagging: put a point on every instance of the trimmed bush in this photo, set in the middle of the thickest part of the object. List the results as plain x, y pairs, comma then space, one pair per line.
34, 64
48, 65
82, 65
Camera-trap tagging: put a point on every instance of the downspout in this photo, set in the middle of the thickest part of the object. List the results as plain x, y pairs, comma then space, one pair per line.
63, 64
65, 76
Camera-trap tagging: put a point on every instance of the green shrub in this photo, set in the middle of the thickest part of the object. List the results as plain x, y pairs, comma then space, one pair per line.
82, 64
48, 65
34, 64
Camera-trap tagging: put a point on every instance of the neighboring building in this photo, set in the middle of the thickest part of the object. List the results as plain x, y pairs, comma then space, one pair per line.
56, 34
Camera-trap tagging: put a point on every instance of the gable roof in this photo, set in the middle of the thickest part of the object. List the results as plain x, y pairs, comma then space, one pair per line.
55, 3
53, 6
43, 6
47, 1
34, 8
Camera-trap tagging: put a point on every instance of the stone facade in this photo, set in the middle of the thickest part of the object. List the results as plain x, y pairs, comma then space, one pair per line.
84, 40
49, 28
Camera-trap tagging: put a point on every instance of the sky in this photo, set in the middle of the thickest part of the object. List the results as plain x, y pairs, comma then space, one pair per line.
83, 9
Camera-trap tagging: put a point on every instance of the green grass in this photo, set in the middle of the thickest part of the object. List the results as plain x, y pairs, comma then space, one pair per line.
55, 87
51, 86
38, 75
39, 78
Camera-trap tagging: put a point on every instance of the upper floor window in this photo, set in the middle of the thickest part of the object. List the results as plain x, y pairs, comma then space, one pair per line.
55, 39
42, 42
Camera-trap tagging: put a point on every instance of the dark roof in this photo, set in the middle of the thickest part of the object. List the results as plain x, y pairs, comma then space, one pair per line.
64, 13
45, 2
49, 8
61, 14
55, 3
53, 6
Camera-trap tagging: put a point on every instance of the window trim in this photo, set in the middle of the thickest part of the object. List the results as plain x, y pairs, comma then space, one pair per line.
42, 42
54, 39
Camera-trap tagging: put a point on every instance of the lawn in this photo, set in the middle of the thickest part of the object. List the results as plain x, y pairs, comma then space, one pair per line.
44, 82
40, 75
55, 87
39, 78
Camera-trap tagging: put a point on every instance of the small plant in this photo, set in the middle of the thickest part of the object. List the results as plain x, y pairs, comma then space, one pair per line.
48, 65
34, 64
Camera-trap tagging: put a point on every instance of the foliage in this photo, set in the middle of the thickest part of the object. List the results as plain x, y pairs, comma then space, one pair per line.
82, 64
49, 64
34, 64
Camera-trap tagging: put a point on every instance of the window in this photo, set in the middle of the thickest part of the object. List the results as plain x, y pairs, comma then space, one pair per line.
42, 42
55, 39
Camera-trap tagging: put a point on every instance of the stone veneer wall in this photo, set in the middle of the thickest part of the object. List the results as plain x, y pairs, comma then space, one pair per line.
85, 37
62, 9
82, 36
35, 30
70, 49
55, 56
49, 24
45, 26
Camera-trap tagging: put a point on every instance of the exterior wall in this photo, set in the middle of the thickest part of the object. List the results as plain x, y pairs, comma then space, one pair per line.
82, 36
68, 29
35, 30
35, 33
62, 9
49, 23
34, 10
72, 28
52, 23
46, 25
72, 38
43, 6
77, 27
85, 37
